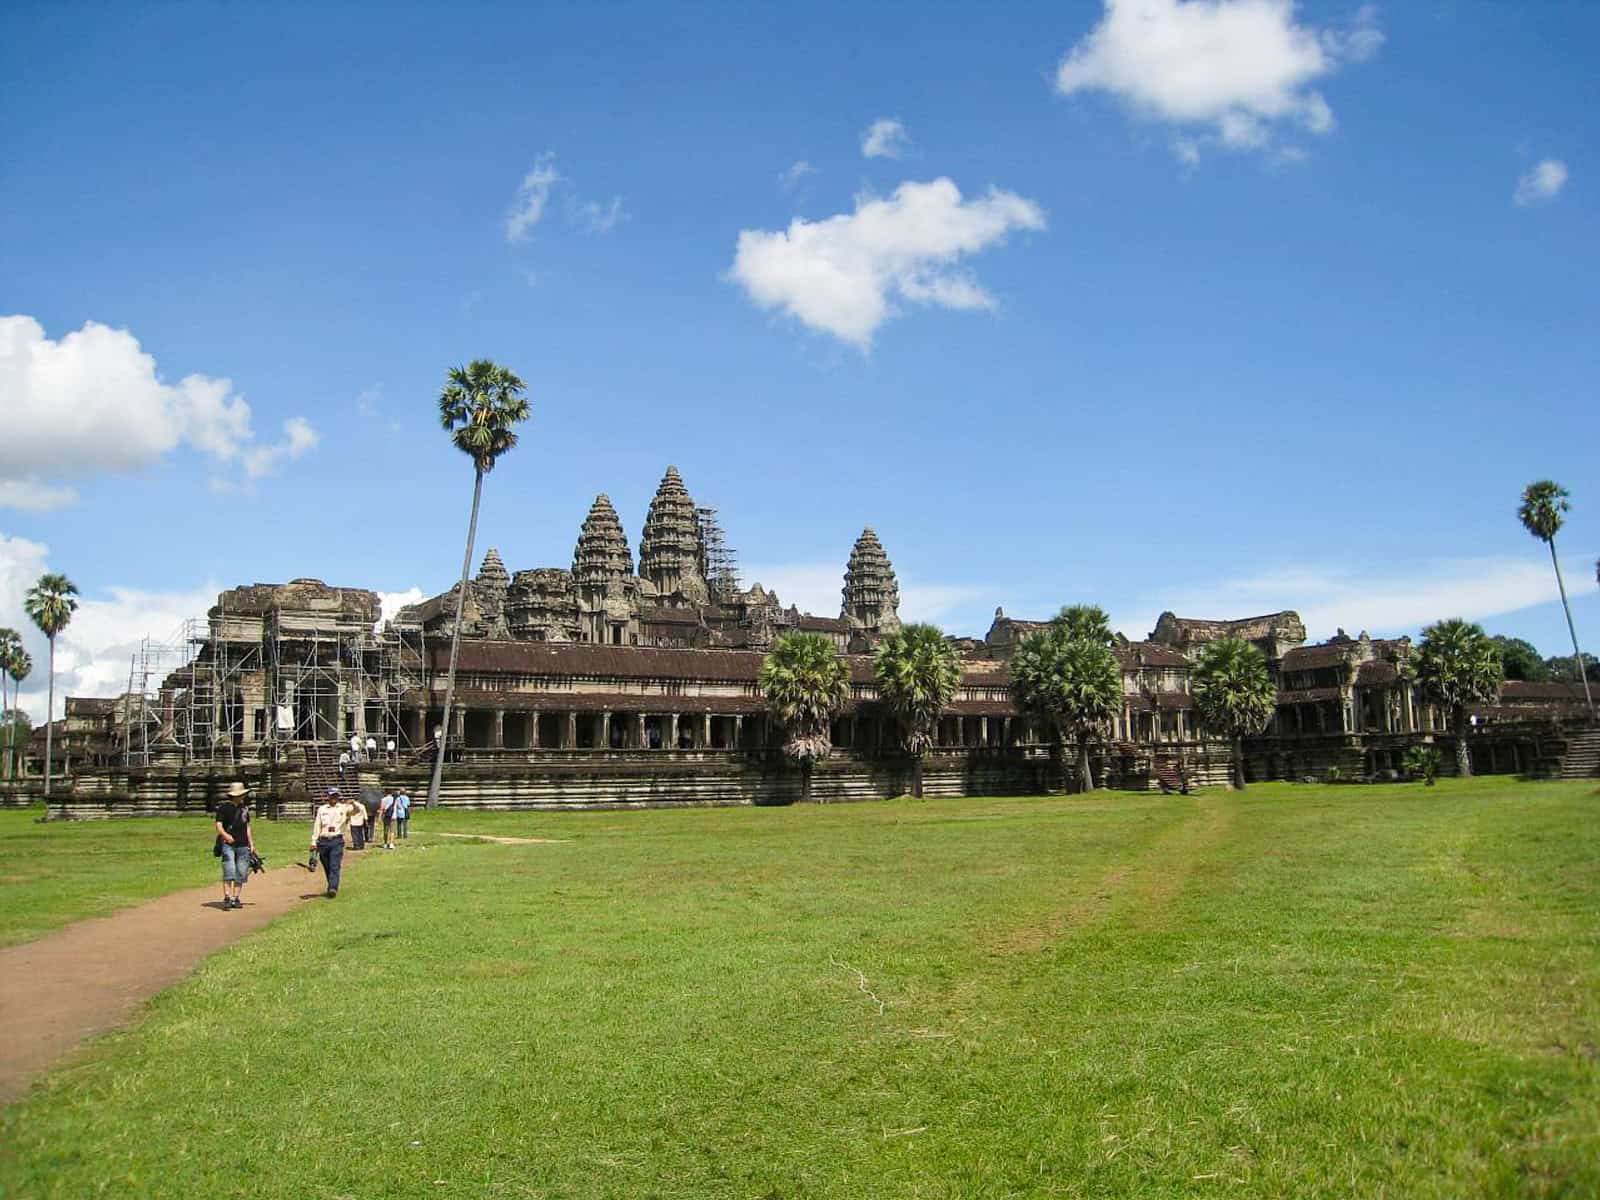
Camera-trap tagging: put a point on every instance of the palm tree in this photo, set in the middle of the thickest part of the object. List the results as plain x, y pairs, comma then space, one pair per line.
478, 408
1073, 680
1086, 621
50, 604
10, 647
1234, 694
19, 668
1457, 665
805, 682
918, 672
1543, 504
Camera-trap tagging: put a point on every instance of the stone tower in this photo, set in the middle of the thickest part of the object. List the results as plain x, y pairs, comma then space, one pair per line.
602, 575
490, 591
671, 555
871, 593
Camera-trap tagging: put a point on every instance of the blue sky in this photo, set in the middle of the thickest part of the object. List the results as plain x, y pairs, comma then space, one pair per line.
1218, 308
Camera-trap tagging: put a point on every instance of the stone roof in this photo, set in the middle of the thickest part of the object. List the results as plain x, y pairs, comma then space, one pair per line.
309, 595
1285, 624
1377, 674
810, 624
1311, 695
1515, 691
655, 614
614, 662
1148, 654
1310, 658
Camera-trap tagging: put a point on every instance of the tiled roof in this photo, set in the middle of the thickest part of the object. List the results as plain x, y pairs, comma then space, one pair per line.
1308, 658
614, 662
1310, 695
1515, 691
811, 624
1377, 674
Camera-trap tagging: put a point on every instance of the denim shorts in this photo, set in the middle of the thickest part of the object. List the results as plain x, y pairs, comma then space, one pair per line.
235, 863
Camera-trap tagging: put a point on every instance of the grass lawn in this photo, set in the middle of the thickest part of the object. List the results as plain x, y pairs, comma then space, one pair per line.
59, 871
1304, 990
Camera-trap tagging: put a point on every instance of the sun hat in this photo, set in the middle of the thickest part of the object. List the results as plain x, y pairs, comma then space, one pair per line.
333, 791
236, 788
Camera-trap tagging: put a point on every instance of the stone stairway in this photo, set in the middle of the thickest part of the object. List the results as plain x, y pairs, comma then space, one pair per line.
1582, 759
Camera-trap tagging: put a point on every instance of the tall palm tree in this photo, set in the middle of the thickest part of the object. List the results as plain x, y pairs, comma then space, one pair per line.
1086, 621
805, 682
10, 647
1457, 664
478, 408
19, 667
50, 604
1234, 694
918, 672
1543, 505
1073, 680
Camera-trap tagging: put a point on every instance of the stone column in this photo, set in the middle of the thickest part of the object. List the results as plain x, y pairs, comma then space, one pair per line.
705, 731
672, 733
983, 731
738, 731
533, 730
638, 725
570, 732
605, 731
497, 737
458, 726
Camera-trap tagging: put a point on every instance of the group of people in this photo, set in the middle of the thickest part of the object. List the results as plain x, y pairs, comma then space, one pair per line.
337, 818
336, 822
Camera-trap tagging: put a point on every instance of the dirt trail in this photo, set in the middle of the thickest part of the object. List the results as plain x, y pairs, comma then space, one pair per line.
88, 978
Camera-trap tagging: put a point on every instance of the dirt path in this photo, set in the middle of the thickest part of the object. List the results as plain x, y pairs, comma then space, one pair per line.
88, 978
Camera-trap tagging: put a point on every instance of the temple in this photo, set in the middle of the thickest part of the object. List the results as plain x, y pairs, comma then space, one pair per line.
607, 684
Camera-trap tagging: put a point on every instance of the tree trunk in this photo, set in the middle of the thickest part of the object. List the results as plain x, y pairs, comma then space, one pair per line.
1085, 768
5, 715
50, 708
455, 645
1577, 655
916, 775
1238, 762
805, 781
1463, 755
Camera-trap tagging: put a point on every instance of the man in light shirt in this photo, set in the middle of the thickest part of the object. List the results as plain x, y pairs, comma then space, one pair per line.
328, 826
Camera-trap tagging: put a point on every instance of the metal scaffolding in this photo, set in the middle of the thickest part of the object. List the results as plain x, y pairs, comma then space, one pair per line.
155, 660
721, 565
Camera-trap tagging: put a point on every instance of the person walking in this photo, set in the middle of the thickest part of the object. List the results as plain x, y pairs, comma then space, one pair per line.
386, 812
358, 824
402, 814
328, 824
238, 844
355, 748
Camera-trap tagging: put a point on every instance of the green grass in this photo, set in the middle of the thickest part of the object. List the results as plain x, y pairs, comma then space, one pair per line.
59, 871
1302, 991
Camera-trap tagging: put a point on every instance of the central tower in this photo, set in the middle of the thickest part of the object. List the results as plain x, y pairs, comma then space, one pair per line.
671, 554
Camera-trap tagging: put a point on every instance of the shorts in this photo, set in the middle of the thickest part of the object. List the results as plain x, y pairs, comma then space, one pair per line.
235, 863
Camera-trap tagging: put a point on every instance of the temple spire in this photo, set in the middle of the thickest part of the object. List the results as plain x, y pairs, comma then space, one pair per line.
871, 593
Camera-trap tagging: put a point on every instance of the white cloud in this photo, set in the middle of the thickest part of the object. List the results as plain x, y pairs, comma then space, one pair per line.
1241, 69
93, 402
298, 440
1542, 183
790, 179
93, 653
841, 275
885, 138
369, 400
532, 196
33, 495
594, 217
1382, 601
392, 602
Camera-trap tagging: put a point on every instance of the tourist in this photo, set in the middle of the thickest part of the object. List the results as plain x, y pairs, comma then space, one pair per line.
355, 747
238, 844
358, 824
327, 837
372, 748
386, 811
344, 763
402, 813
390, 749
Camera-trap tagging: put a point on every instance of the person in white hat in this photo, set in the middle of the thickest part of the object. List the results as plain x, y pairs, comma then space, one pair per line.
235, 842
328, 826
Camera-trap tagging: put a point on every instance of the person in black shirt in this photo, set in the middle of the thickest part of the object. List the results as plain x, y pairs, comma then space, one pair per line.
233, 828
